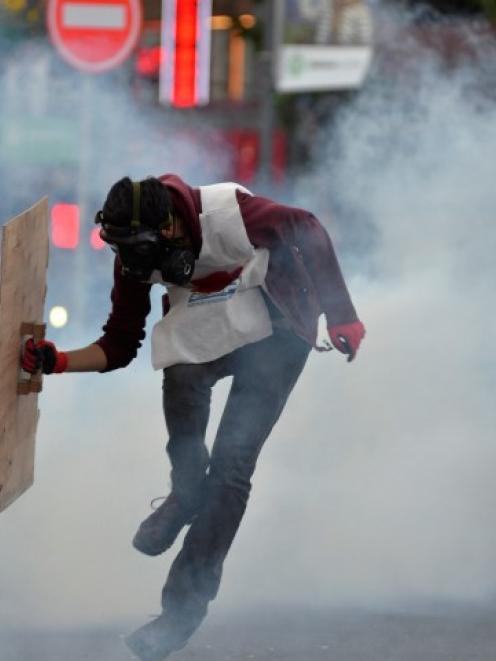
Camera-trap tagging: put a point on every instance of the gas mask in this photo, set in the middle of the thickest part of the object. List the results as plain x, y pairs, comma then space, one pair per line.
143, 249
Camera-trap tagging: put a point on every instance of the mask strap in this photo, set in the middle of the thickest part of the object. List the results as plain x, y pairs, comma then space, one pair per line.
135, 220
169, 222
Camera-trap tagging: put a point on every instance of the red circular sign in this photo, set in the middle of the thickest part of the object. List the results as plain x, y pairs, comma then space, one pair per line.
94, 35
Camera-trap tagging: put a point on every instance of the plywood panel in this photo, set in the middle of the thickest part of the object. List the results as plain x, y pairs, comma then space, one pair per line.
24, 260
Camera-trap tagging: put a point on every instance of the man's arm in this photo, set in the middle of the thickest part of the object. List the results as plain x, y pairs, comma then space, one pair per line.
269, 224
45, 356
123, 333
125, 327
323, 267
90, 359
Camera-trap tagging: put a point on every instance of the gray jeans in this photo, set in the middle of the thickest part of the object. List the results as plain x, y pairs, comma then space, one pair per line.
218, 486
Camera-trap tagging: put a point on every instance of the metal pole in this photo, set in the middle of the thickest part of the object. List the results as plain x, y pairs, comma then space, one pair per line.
84, 176
267, 114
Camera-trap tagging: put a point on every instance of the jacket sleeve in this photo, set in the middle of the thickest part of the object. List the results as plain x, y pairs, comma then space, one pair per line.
125, 327
269, 225
323, 266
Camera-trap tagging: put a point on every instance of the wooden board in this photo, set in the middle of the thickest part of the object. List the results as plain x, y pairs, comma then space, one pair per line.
24, 261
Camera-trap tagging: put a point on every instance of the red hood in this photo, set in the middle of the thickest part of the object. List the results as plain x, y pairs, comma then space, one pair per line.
187, 202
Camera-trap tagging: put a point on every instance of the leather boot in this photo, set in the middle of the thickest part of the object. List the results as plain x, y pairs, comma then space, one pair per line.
158, 532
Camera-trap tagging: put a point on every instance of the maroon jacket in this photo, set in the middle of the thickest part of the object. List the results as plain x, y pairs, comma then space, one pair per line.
303, 279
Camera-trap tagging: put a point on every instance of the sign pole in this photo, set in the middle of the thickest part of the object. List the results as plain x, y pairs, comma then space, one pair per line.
267, 114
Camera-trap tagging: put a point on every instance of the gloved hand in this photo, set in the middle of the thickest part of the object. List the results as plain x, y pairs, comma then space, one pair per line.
347, 337
43, 355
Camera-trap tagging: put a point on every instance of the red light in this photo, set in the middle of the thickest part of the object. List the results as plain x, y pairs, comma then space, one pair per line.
148, 62
95, 240
186, 51
65, 226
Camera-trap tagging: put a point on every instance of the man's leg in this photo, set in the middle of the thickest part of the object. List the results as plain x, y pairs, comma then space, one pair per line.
264, 375
186, 401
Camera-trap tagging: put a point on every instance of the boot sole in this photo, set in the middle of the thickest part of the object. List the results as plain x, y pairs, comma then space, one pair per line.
145, 645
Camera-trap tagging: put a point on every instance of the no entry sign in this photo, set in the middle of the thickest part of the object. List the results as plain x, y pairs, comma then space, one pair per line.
94, 35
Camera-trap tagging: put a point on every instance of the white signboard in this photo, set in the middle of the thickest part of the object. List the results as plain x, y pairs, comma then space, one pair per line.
322, 44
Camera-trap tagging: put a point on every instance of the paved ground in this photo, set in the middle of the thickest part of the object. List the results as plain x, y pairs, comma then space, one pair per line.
290, 636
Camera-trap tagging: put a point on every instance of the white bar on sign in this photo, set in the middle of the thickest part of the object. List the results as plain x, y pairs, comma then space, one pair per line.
204, 32
168, 46
86, 15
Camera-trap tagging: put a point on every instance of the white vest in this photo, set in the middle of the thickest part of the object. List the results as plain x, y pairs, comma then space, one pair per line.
202, 327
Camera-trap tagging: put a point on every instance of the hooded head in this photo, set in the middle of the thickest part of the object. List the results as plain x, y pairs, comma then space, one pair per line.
138, 222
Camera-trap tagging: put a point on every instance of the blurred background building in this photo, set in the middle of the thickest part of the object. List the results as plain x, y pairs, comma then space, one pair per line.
228, 89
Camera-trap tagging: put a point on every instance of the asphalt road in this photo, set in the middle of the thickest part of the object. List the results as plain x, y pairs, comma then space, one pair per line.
286, 636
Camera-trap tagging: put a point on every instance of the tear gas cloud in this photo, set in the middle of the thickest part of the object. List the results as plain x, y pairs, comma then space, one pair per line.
376, 488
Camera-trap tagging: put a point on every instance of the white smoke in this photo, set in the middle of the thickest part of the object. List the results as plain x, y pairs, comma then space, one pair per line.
376, 488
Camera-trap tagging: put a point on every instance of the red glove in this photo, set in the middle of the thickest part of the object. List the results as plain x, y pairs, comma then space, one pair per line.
347, 337
43, 355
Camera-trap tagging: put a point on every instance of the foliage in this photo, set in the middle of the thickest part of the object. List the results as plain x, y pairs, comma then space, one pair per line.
489, 7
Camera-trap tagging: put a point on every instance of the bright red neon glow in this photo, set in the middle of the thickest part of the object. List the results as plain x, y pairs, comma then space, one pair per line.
186, 51
65, 226
95, 240
148, 62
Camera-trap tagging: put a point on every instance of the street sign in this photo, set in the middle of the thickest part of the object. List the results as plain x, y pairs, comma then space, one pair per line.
322, 44
94, 35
